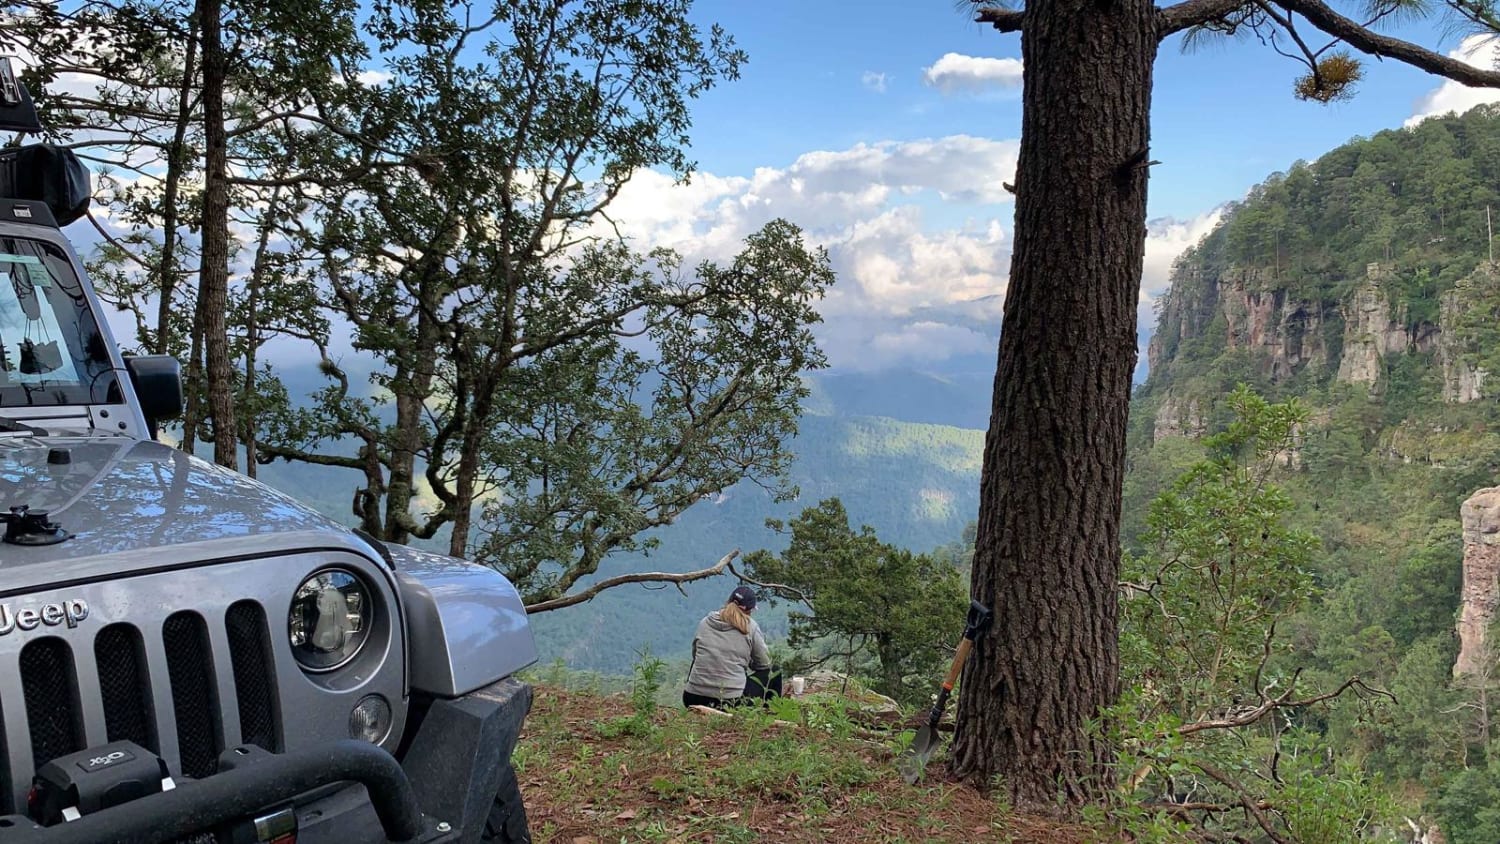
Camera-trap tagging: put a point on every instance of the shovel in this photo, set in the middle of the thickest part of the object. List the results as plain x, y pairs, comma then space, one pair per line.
927, 738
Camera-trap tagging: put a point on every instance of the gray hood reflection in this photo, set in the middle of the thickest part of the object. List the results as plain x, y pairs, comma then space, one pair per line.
118, 495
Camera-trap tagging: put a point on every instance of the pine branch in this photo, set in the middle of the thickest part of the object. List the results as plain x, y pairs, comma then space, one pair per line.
1190, 13
1352, 33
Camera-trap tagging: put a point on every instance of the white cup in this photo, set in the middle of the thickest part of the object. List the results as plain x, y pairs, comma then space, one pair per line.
798, 684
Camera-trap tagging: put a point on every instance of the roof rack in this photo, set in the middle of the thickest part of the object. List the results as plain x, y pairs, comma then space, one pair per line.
44, 173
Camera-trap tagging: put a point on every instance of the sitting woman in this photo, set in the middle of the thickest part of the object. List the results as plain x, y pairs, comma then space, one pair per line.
727, 646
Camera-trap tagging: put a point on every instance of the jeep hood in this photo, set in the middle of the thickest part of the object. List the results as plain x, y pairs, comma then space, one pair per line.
133, 505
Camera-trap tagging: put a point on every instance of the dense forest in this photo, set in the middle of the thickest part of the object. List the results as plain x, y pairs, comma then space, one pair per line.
1361, 286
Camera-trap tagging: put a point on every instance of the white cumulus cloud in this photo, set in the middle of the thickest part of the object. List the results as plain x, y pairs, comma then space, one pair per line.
911, 227
874, 81
1477, 50
955, 72
918, 233
1166, 239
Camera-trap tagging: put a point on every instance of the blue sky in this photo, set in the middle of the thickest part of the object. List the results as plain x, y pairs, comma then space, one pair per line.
850, 121
1223, 117
886, 129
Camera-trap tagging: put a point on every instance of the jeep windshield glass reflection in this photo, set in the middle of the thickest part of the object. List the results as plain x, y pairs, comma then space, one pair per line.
51, 351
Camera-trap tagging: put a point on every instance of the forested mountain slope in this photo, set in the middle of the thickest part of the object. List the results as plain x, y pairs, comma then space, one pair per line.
1363, 285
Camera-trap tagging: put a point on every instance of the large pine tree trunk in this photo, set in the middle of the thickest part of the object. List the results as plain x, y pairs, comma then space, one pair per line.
213, 277
1047, 551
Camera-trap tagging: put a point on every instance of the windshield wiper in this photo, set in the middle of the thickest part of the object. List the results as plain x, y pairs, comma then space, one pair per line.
16, 426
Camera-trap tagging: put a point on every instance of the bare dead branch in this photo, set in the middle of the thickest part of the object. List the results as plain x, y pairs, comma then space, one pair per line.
1005, 20
781, 590
1281, 701
1248, 803
635, 577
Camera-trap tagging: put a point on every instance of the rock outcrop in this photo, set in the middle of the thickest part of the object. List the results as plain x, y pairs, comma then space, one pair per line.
1481, 589
1462, 380
1286, 334
865, 706
1178, 418
1375, 330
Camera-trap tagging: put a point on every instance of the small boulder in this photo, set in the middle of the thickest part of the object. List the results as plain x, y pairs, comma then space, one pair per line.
865, 706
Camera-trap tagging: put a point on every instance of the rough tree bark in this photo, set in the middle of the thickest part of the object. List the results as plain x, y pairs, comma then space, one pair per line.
1047, 554
213, 277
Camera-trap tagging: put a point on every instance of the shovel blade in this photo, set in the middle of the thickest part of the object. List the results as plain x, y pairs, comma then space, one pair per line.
922, 744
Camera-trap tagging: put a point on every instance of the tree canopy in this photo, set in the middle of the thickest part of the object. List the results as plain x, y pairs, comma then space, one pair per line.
868, 600
420, 200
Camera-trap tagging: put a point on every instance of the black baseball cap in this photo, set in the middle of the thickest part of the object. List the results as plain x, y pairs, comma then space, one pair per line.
744, 596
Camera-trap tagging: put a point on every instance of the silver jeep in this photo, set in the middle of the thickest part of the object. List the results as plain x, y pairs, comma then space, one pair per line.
188, 655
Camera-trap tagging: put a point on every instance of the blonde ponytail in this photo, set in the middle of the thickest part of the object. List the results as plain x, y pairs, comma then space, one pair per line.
737, 618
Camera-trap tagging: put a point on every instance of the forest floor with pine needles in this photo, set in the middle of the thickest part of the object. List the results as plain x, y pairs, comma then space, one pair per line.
598, 768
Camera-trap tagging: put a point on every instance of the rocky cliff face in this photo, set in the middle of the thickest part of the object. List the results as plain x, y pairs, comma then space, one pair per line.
1260, 318
1481, 590
1462, 380
1177, 417
1353, 340
1374, 330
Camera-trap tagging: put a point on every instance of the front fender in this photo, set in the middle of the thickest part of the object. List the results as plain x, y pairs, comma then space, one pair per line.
466, 624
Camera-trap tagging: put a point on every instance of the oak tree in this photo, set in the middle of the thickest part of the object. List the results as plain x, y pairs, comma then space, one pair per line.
543, 391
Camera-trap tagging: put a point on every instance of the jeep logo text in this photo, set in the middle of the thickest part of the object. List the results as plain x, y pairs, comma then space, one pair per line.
48, 615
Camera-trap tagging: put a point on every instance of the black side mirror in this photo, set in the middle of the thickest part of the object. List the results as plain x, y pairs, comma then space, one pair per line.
158, 385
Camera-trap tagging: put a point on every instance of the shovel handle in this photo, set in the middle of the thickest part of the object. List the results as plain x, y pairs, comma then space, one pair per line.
936, 715
959, 657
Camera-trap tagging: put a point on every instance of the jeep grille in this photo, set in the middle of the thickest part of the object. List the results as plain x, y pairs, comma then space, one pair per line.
186, 662
126, 667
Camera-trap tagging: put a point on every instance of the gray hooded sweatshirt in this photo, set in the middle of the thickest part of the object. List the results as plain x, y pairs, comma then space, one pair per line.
722, 655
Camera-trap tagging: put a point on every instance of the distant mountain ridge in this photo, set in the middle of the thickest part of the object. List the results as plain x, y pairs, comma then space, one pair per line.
1368, 269
957, 399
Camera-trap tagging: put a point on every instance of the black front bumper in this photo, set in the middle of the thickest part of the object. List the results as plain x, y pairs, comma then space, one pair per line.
346, 791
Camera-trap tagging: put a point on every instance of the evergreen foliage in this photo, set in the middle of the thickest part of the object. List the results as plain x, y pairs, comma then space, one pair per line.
870, 602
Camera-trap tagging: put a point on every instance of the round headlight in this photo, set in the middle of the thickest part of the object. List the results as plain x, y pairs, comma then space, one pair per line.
329, 620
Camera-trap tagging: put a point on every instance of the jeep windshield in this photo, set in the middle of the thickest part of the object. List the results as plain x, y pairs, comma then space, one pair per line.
51, 350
